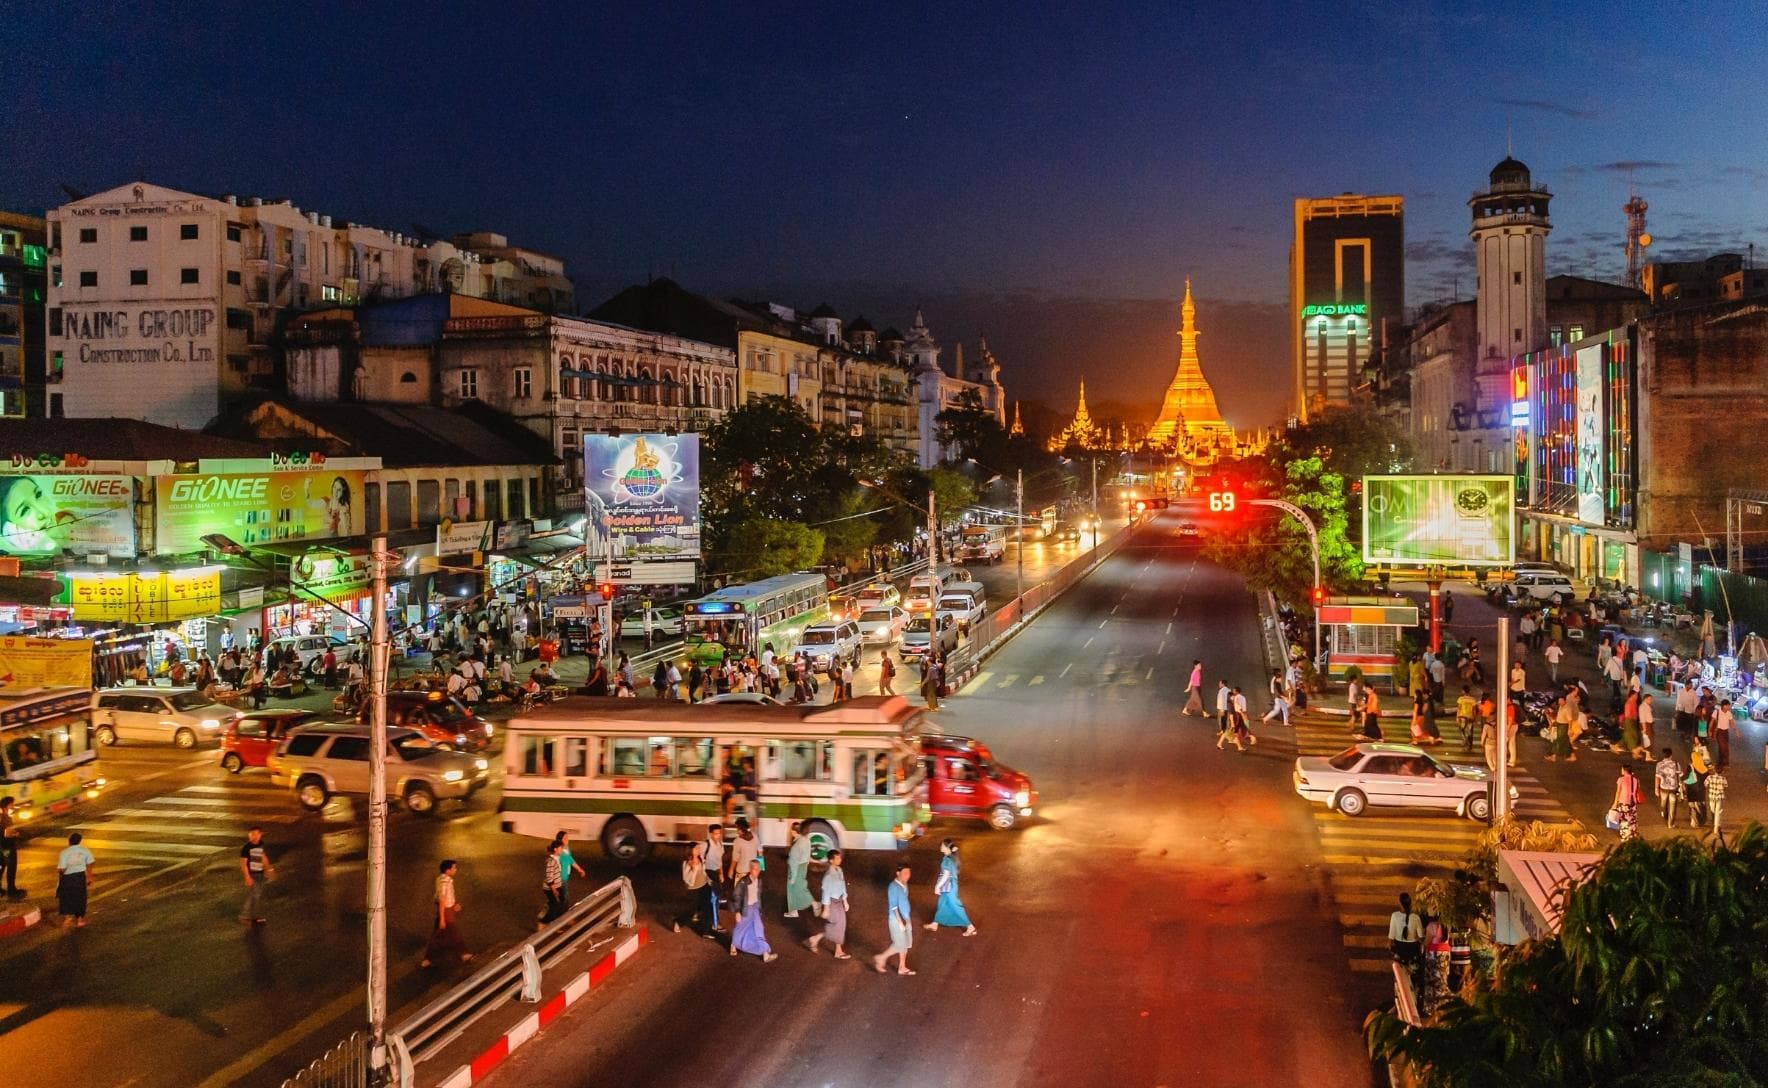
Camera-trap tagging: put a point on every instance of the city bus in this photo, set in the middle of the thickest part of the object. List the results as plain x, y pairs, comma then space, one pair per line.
985, 542
633, 773
748, 618
46, 749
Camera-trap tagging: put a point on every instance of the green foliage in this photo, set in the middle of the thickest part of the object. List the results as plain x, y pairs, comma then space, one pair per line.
1272, 552
765, 547
952, 493
850, 533
1655, 978
1350, 442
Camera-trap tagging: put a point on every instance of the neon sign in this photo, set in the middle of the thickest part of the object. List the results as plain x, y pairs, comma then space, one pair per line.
1336, 309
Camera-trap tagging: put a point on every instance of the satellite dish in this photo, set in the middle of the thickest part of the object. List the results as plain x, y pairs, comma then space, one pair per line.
1645, 239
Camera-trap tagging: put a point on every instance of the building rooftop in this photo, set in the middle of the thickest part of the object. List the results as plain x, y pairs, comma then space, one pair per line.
120, 440
401, 435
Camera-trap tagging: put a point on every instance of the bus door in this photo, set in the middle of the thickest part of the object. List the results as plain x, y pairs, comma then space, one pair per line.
739, 783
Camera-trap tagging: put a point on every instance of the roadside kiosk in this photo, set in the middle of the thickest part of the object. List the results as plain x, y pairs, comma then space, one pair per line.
1365, 632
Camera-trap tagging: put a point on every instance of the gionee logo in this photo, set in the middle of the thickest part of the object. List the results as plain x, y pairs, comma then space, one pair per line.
221, 489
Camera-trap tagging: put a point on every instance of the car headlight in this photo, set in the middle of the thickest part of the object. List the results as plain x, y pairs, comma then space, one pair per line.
210, 724
452, 776
488, 729
482, 765
460, 739
1022, 798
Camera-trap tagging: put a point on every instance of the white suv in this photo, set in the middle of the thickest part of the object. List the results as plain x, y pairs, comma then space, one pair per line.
829, 643
181, 716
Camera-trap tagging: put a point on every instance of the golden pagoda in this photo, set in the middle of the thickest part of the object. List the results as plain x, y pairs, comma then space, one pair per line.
1081, 432
1017, 428
1189, 417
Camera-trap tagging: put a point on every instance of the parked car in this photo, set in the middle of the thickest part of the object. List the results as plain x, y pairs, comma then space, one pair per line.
882, 625
149, 715
661, 621
1382, 775
324, 761
965, 782
1542, 585
308, 647
444, 720
253, 735
828, 643
754, 698
923, 632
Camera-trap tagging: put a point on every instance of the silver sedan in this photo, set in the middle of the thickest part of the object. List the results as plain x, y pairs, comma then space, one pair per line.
1393, 776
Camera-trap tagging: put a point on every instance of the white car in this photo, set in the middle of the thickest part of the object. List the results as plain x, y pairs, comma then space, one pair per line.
661, 621
828, 643
962, 608
882, 626
1543, 585
181, 716
1393, 776
753, 698
878, 595
308, 647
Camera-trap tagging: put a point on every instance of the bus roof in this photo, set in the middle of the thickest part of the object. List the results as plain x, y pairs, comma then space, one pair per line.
867, 715
749, 591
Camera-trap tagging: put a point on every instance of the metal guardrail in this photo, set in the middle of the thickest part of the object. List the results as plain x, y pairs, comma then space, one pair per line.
343, 1066
1400, 1073
513, 976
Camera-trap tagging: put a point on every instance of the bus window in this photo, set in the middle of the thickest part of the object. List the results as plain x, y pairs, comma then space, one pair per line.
693, 756
659, 748
536, 755
576, 756
804, 760
871, 772
624, 757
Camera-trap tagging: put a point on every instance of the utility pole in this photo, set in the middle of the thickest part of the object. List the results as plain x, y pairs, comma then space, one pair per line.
1019, 513
1501, 803
932, 534
1095, 463
377, 810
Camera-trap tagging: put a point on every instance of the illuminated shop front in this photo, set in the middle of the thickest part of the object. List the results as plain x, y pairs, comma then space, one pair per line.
1576, 455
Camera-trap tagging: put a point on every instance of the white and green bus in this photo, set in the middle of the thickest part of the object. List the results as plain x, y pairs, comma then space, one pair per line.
744, 619
632, 773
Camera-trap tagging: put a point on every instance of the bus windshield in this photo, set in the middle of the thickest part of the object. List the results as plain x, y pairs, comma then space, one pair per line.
27, 747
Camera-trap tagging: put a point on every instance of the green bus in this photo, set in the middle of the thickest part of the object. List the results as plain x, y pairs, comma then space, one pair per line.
632, 773
747, 618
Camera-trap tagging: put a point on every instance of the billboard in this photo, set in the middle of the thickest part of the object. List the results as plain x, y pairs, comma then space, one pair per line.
1591, 424
144, 596
46, 515
45, 662
256, 508
1461, 521
647, 487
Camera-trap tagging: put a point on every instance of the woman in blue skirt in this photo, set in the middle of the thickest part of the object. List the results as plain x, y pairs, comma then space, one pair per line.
748, 935
949, 911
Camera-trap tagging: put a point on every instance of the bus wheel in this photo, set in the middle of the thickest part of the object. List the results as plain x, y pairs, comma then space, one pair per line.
624, 840
822, 840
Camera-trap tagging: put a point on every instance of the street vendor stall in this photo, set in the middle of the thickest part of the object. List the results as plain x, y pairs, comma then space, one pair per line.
1364, 632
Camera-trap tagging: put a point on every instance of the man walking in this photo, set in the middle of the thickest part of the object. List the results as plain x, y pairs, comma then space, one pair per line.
1715, 786
902, 930
9, 850
1666, 782
254, 865
1224, 705
713, 856
1553, 654
886, 674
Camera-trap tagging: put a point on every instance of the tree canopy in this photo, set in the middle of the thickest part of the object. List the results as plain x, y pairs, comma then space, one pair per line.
1656, 978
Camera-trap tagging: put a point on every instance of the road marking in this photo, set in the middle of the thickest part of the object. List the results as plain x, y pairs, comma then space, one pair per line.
1150, 675
1161, 649
1169, 629
981, 679
1088, 642
1035, 681
1114, 609
1008, 681
200, 814
133, 826
259, 1057
1102, 623
1066, 667
147, 849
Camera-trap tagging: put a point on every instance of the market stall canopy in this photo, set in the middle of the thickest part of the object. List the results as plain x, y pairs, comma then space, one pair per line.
1533, 886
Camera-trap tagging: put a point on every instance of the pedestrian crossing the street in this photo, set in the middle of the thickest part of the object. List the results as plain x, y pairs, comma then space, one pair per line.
187, 826
1373, 857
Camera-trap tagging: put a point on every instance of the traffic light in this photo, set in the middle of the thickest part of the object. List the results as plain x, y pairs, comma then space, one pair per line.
1317, 595
606, 589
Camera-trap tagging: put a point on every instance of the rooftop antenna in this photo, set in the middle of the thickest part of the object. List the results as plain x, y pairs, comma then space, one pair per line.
1637, 236
1509, 145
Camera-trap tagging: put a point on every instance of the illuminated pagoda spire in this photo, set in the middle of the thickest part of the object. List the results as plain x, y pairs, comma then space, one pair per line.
1017, 428
1189, 410
1081, 431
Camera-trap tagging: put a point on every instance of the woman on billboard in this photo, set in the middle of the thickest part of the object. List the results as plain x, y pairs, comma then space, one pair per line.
335, 508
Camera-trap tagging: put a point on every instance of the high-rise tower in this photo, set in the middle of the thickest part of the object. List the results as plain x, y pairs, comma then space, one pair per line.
1509, 235
1189, 412
1347, 286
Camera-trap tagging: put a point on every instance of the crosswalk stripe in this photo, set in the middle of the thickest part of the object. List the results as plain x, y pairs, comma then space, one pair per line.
1366, 942
149, 849
1008, 681
147, 827
239, 786
203, 814
1035, 681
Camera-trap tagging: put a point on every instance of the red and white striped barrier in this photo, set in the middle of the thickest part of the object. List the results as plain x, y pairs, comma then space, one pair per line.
12, 924
480, 1068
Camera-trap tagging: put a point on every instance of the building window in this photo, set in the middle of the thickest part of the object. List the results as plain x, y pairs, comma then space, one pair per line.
233, 232
524, 383
469, 384
408, 378
56, 365
88, 235
238, 319
1516, 335
187, 275
138, 277
512, 498
233, 278
88, 279
429, 502
138, 234
187, 232
398, 505
55, 406
1516, 278
1577, 332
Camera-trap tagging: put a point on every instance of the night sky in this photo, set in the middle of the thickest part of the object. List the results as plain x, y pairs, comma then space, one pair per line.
1036, 174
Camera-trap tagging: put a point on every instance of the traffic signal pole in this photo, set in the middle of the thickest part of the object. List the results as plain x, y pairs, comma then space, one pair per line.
1319, 591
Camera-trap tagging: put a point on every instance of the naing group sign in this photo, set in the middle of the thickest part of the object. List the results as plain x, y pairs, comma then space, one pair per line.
648, 486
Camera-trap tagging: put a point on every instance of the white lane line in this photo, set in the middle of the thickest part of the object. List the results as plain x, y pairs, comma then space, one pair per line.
1161, 649
1008, 681
1065, 668
1088, 642
1169, 629
1150, 675
1102, 623
1035, 681
1114, 609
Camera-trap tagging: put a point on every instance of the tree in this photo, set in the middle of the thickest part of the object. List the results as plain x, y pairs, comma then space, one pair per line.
952, 494
971, 430
1352, 442
849, 534
765, 547
1272, 552
1655, 978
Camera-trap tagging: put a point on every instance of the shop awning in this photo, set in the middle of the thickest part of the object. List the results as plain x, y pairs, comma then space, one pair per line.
1533, 885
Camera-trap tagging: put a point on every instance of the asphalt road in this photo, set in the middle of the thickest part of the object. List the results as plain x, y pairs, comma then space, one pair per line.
1162, 923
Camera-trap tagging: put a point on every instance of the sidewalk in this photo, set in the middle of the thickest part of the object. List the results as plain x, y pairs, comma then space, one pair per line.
1586, 787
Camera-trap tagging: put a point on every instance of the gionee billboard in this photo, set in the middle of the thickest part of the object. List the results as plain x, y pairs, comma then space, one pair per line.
255, 507
1454, 521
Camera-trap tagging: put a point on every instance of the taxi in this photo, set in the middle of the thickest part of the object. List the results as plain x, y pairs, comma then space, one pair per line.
252, 735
